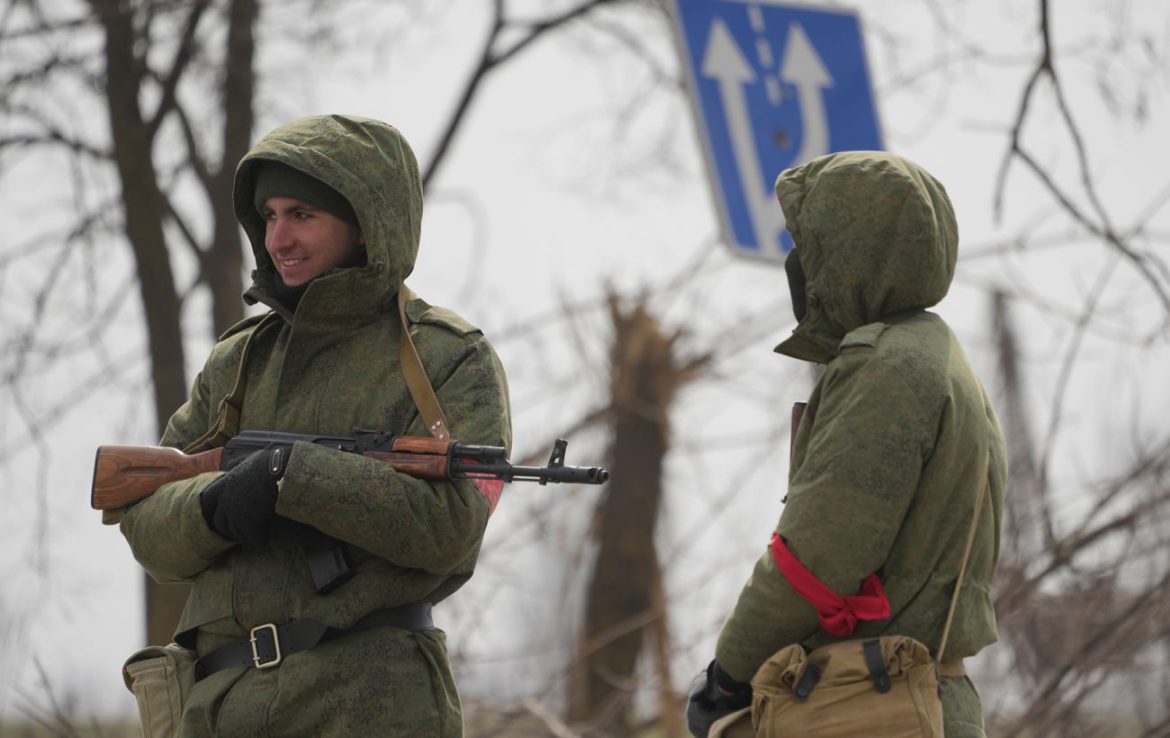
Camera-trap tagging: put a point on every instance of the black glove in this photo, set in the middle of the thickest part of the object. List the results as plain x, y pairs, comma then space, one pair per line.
708, 703
241, 504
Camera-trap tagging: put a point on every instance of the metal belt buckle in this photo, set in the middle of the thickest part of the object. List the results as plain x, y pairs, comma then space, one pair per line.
256, 659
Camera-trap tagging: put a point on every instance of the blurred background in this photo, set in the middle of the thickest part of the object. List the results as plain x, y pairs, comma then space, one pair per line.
569, 214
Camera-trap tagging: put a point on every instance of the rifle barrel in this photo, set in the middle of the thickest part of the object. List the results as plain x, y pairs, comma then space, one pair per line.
542, 474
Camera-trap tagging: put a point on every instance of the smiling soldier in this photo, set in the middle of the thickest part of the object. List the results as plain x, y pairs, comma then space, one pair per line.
332, 206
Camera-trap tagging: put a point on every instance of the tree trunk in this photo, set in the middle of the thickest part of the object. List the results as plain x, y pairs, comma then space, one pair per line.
224, 263
625, 609
143, 210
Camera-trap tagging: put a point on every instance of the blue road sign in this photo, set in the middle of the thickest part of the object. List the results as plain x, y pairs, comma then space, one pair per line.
774, 85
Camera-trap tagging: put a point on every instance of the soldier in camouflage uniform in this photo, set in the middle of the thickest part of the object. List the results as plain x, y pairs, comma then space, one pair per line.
895, 444
332, 206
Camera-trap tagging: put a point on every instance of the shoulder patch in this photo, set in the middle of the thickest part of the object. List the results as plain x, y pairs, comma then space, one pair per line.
420, 312
867, 335
249, 322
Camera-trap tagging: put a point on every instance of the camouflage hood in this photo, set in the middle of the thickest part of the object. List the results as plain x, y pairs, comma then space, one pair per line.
373, 167
876, 235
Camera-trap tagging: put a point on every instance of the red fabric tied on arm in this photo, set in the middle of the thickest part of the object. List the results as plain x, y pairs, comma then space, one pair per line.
489, 487
838, 615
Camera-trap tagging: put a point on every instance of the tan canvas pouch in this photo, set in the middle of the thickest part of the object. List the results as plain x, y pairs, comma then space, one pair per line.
160, 678
833, 692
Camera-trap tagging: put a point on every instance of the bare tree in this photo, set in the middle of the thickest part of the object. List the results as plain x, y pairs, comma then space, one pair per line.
1077, 593
177, 84
626, 612
148, 51
1082, 603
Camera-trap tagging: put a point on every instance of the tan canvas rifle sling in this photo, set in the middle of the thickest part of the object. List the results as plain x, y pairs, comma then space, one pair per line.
227, 421
416, 377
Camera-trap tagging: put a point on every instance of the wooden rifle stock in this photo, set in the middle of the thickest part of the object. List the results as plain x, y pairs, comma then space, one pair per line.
123, 475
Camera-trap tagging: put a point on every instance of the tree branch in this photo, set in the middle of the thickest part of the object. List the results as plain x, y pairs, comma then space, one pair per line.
183, 56
1046, 69
194, 158
489, 61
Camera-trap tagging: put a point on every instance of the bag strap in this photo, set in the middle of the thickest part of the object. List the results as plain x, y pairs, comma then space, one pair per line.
416, 376
227, 422
942, 646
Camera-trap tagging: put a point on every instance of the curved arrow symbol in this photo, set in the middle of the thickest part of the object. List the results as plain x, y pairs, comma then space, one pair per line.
803, 68
724, 62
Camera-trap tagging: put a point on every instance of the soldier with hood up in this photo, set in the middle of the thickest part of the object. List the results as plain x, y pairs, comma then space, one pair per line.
332, 206
896, 448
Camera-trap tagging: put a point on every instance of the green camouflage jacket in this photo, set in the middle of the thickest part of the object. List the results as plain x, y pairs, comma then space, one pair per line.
899, 435
329, 368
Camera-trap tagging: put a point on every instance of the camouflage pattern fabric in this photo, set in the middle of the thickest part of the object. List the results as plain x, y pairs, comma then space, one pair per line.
898, 436
331, 367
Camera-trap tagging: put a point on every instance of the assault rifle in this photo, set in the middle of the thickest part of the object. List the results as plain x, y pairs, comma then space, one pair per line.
123, 475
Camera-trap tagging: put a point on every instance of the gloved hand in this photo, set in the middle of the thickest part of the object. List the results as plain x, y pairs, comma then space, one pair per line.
708, 703
241, 504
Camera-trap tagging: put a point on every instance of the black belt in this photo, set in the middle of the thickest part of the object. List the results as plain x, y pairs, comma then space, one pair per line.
269, 644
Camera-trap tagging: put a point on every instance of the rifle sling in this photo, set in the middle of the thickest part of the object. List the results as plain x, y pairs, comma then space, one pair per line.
227, 421
416, 376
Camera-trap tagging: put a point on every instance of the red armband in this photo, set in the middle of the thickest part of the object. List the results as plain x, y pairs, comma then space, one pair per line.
838, 615
490, 489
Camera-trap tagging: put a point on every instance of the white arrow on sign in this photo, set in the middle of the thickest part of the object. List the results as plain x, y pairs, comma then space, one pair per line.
803, 68
724, 62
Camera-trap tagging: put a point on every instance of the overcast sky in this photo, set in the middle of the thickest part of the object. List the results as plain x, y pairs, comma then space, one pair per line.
577, 168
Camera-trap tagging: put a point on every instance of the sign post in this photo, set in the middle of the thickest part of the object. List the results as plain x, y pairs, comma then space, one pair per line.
773, 85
